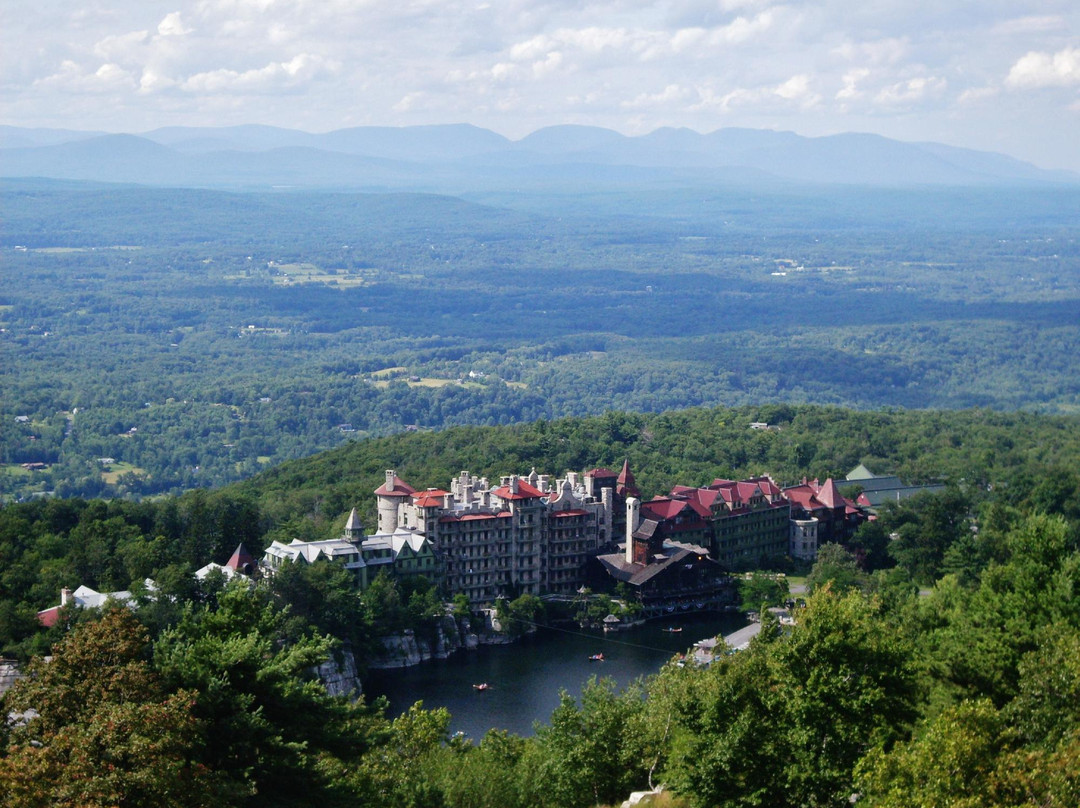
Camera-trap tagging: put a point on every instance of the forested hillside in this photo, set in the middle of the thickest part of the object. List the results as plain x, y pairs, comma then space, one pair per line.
877, 696
1020, 458
156, 340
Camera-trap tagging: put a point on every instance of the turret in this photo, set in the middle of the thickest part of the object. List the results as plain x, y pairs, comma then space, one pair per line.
633, 519
389, 497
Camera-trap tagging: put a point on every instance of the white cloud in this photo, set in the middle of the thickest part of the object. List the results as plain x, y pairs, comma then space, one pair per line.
974, 95
152, 81
672, 94
851, 80
408, 102
172, 25
73, 79
794, 92
1040, 69
274, 76
912, 91
888, 51
120, 47
549, 64
1030, 25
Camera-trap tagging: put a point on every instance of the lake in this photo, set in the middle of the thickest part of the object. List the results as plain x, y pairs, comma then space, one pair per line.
525, 677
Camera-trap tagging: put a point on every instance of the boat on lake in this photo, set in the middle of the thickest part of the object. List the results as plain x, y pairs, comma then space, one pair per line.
673, 629
597, 657
481, 686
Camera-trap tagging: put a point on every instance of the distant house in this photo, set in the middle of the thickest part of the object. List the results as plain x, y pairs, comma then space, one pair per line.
666, 576
740, 521
820, 515
877, 490
402, 553
86, 598
338, 551
240, 563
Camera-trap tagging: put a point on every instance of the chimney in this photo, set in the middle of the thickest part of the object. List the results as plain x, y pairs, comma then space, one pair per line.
391, 479
633, 519
65, 596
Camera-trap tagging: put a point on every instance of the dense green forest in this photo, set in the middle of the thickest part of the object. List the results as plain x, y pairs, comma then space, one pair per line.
158, 340
967, 695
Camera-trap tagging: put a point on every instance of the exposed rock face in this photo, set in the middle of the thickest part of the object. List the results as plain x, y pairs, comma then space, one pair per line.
409, 648
338, 674
449, 635
9, 672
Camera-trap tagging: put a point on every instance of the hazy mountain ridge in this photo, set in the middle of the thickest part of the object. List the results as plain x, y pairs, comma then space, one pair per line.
458, 158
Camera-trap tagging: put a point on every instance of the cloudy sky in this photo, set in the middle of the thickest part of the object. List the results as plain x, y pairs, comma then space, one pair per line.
1002, 75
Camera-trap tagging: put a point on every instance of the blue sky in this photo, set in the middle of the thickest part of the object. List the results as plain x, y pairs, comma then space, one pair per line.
1000, 76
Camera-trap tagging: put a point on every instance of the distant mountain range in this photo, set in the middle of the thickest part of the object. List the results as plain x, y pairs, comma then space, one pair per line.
461, 158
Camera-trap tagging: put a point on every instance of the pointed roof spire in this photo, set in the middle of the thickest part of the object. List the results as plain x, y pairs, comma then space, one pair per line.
353, 524
241, 560
829, 495
627, 485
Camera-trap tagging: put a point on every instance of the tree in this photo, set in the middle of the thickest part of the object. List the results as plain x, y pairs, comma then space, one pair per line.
107, 732
592, 754
849, 683
395, 771
757, 590
269, 724
836, 567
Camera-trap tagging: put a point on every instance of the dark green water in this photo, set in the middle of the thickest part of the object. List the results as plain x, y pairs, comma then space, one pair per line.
525, 678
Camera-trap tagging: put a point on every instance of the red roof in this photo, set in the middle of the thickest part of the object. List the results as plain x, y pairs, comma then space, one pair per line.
524, 491
627, 483
668, 507
400, 489
830, 495
432, 498
49, 617
600, 472
472, 517
572, 512
803, 496
240, 558
767, 486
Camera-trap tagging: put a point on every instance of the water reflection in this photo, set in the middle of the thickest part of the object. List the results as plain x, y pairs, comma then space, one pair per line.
525, 678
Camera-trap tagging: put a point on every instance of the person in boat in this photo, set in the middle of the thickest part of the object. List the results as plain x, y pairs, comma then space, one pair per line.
481, 686
597, 657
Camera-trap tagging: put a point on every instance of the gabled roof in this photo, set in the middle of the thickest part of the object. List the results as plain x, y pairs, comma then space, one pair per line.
804, 496
49, 617
310, 551
240, 558
431, 498
202, 572
600, 472
664, 507
638, 574
408, 542
524, 491
860, 472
